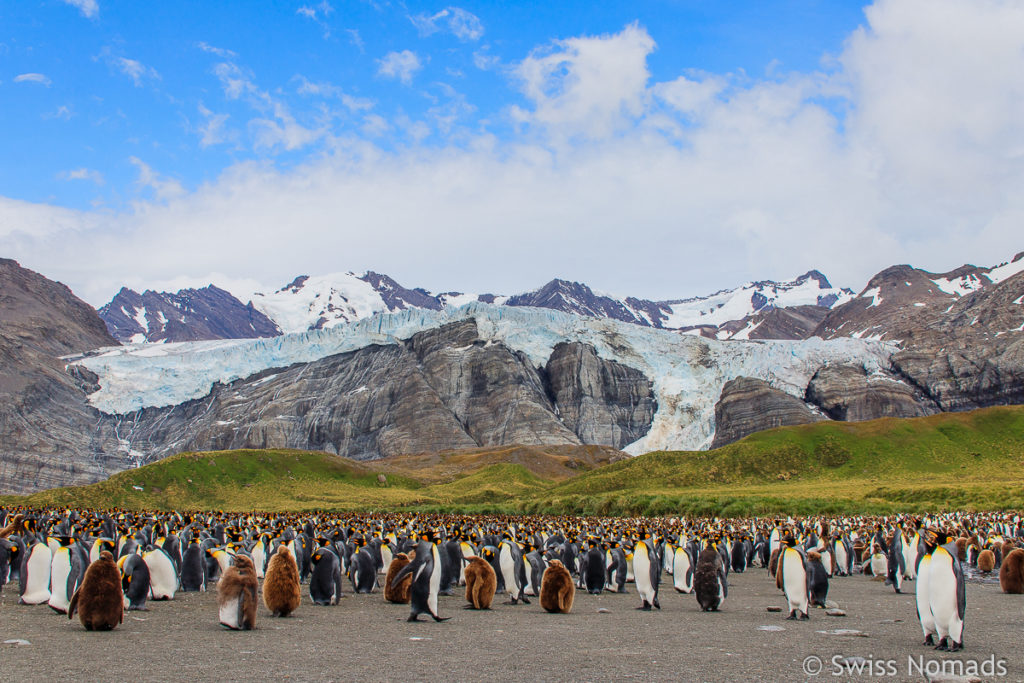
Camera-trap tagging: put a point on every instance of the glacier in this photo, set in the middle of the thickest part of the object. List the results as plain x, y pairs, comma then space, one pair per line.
688, 372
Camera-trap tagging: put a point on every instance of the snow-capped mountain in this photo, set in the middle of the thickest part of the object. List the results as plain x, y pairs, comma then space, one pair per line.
187, 315
322, 302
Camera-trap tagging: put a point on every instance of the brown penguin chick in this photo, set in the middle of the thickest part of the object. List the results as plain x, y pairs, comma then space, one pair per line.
15, 527
237, 595
1011, 573
99, 600
986, 561
281, 592
1008, 547
398, 594
961, 549
556, 589
481, 583
773, 562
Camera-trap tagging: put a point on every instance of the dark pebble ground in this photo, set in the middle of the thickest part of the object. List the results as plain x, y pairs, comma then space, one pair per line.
366, 639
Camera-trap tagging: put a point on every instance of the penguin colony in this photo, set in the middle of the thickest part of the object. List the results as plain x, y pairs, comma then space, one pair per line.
97, 564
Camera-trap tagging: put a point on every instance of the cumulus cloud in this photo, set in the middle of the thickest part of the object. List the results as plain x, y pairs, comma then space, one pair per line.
89, 8
907, 147
401, 65
42, 79
463, 24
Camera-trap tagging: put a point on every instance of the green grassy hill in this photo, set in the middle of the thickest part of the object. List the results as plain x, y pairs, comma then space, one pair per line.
968, 461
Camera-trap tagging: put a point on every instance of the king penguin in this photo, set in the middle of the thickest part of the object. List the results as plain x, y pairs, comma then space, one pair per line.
947, 593
646, 574
35, 575
682, 570
792, 575
924, 608
237, 593
426, 581
66, 570
710, 584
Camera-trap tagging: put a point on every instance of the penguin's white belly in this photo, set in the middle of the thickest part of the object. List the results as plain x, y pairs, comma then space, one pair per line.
909, 560
163, 581
435, 581
642, 575
942, 595
229, 613
60, 568
508, 571
259, 560
879, 565
841, 558
794, 581
680, 568
386, 556
826, 561
37, 590
921, 593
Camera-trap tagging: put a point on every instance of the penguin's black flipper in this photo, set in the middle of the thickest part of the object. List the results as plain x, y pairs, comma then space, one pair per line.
407, 569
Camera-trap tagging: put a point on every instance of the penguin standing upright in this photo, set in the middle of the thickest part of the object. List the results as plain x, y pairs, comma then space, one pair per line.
947, 593
363, 571
534, 570
710, 584
426, 581
646, 574
163, 577
817, 579
895, 569
99, 601
481, 583
237, 595
398, 593
35, 574
617, 569
281, 592
924, 608
682, 570
193, 573
510, 560
1011, 572
556, 589
134, 581
595, 572
325, 580
792, 577
66, 570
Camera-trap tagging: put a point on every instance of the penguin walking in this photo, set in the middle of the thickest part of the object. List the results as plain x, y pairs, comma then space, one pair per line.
895, 567
646, 574
947, 594
325, 579
426, 582
556, 589
99, 601
682, 570
481, 583
237, 595
792, 578
709, 579
135, 581
281, 592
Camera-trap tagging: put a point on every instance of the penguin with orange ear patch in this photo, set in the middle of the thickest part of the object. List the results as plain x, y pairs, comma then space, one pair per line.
556, 589
237, 595
398, 593
99, 600
16, 526
281, 593
1011, 573
481, 583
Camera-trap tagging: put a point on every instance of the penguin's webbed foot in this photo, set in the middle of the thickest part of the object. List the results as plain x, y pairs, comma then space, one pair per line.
929, 640
656, 603
792, 616
413, 617
943, 645
644, 607
805, 617
955, 646
525, 600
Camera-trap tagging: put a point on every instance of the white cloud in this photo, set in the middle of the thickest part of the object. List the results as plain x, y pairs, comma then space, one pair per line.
591, 86
401, 65
89, 174
318, 13
88, 8
164, 188
909, 147
463, 24
355, 104
42, 79
213, 131
135, 70
219, 51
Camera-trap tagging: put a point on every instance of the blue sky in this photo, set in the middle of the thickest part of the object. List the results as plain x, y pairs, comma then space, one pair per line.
659, 149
